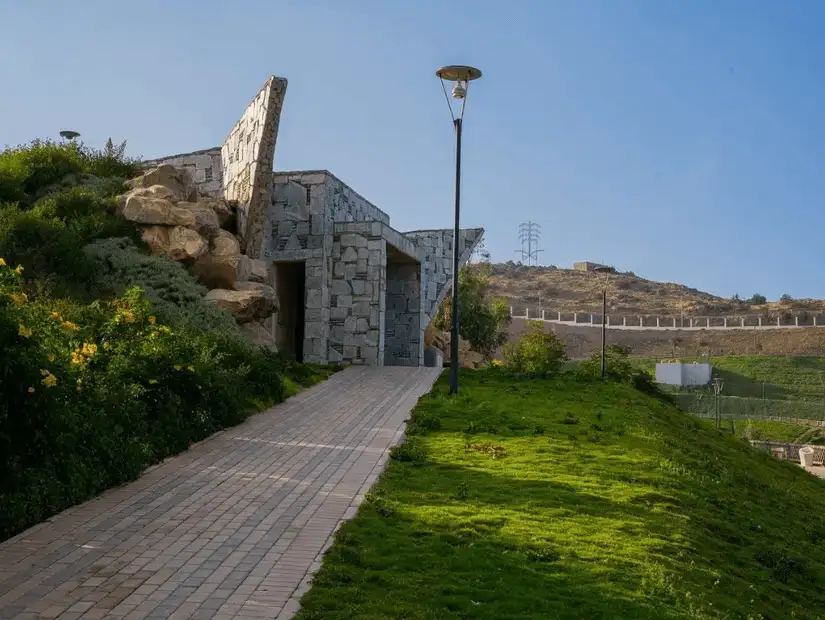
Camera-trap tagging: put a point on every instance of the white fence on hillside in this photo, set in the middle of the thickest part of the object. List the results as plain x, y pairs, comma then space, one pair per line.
668, 323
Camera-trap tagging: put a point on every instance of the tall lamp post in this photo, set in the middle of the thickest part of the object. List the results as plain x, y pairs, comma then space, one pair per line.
606, 271
461, 76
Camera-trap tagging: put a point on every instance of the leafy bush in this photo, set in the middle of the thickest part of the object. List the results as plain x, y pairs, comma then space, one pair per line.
786, 299
48, 238
757, 300
90, 395
536, 353
484, 320
174, 293
30, 171
618, 367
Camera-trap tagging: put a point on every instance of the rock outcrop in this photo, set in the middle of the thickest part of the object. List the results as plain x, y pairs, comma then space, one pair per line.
177, 181
175, 221
249, 301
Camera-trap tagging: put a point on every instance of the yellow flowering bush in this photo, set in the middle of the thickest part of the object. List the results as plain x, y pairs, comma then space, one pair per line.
100, 391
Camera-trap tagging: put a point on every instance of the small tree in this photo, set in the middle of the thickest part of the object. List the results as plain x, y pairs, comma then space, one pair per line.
536, 353
484, 320
786, 299
757, 300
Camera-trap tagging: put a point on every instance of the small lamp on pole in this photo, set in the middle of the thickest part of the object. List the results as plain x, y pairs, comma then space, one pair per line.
68, 134
461, 76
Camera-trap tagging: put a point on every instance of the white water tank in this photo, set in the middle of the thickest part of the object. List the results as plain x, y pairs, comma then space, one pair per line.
677, 373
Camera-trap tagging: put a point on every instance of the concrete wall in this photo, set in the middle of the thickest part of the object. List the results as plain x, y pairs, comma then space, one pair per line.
247, 158
203, 166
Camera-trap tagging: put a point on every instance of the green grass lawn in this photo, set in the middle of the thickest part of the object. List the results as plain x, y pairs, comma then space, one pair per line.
555, 499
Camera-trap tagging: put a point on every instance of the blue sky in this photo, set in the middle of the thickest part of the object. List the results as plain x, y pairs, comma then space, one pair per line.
681, 140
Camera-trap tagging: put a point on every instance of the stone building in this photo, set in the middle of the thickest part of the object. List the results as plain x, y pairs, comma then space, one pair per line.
351, 288
586, 265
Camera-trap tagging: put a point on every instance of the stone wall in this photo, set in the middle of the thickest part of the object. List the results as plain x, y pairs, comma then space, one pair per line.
357, 300
403, 334
203, 166
247, 158
436, 250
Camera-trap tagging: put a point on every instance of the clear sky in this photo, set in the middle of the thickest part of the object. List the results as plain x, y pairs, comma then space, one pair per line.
683, 140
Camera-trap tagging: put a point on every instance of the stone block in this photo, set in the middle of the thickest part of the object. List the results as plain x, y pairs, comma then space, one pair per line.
349, 255
374, 316
344, 301
371, 338
376, 257
336, 334
369, 354
339, 313
313, 298
361, 265
363, 325
350, 325
361, 308
316, 330
363, 253
335, 356
354, 240
375, 244
338, 270
349, 271
359, 287
340, 287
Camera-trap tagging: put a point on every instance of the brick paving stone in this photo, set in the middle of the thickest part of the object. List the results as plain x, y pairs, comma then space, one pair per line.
232, 528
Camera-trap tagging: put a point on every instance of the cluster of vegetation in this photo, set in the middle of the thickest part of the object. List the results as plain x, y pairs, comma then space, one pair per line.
484, 319
558, 498
109, 358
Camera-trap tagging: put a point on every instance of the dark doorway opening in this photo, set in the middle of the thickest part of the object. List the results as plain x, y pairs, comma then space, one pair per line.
290, 284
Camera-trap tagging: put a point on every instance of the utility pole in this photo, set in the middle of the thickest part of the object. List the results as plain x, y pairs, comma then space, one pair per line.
718, 384
529, 234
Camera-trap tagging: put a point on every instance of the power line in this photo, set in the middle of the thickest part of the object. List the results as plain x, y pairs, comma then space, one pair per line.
529, 234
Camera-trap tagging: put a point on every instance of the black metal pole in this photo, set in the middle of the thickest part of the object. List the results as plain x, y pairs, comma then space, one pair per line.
604, 331
454, 362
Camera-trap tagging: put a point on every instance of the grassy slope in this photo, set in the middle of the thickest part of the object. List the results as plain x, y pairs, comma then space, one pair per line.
605, 503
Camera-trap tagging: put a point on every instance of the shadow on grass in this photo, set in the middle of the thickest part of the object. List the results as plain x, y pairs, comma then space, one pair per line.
658, 518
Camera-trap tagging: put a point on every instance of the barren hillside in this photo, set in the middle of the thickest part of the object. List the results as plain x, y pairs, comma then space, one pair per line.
566, 290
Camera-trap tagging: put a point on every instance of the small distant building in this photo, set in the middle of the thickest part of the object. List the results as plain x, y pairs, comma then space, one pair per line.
677, 373
586, 265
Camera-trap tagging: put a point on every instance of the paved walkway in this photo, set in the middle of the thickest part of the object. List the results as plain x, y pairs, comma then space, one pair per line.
232, 528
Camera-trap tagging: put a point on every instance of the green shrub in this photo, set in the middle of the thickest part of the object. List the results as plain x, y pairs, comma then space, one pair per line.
618, 367
484, 319
30, 171
536, 353
91, 394
174, 293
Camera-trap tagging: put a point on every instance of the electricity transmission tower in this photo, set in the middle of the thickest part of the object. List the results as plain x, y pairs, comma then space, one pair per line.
529, 233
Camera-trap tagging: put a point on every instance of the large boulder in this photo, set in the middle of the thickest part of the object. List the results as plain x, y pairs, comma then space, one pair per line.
178, 243
186, 245
259, 335
251, 270
249, 302
218, 268
223, 209
151, 211
157, 238
155, 191
175, 179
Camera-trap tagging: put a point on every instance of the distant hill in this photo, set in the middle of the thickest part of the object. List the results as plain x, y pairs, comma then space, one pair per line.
566, 290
